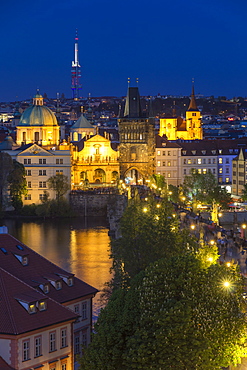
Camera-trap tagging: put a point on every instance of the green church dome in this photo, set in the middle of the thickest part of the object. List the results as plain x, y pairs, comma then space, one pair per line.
38, 114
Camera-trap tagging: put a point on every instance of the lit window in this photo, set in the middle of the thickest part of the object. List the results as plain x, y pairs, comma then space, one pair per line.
32, 308
63, 338
189, 161
204, 171
37, 347
199, 161
220, 179
168, 175
169, 164
227, 179
199, 170
158, 164
158, 152
220, 170
25, 350
220, 160
42, 306
220, 151
84, 310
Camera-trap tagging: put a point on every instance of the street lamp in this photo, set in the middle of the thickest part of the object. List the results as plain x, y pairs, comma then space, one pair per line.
145, 209
244, 228
193, 227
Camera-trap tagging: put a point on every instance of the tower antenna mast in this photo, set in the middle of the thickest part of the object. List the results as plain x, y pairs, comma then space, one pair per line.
76, 72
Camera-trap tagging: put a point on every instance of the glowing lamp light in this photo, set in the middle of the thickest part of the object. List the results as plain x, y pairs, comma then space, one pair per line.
228, 264
158, 205
145, 209
192, 227
212, 242
226, 284
210, 259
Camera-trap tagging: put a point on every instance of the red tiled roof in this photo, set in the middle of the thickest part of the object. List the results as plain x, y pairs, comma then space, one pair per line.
4, 365
15, 318
39, 270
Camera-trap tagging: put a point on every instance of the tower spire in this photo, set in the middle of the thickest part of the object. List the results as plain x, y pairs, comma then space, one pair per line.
193, 106
76, 71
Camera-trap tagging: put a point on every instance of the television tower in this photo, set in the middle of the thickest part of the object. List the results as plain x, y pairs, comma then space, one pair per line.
76, 72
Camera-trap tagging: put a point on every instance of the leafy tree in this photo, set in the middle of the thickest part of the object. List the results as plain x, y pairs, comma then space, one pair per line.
17, 184
176, 314
6, 165
149, 232
60, 184
204, 188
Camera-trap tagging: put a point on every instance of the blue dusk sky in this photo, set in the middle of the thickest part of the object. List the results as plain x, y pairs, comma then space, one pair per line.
163, 43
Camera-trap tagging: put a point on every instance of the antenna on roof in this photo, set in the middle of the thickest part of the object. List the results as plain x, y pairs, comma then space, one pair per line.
137, 81
128, 81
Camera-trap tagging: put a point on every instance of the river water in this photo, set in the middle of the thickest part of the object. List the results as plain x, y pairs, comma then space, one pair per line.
78, 245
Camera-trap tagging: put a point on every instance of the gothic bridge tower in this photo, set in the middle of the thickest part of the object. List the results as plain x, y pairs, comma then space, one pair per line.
137, 141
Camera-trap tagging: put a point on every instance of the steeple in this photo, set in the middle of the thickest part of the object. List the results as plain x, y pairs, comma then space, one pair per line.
133, 103
193, 106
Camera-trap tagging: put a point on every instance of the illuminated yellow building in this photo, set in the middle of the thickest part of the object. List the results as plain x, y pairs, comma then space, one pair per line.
38, 124
186, 129
96, 163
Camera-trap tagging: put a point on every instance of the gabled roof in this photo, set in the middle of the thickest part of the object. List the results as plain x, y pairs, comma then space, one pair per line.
82, 122
33, 149
15, 318
39, 270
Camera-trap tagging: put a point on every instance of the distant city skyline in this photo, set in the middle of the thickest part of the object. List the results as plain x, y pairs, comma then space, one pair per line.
164, 44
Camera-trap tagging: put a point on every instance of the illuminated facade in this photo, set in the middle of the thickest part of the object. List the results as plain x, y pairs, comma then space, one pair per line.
97, 163
186, 129
38, 124
137, 142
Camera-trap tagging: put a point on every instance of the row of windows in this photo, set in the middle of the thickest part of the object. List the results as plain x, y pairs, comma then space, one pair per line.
29, 196
26, 349
168, 163
81, 310
168, 152
42, 184
42, 161
43, 172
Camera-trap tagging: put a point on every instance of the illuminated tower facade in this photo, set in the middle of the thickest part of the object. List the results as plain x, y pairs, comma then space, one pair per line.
76, 72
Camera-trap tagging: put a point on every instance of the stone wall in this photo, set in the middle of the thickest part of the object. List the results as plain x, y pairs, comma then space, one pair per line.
103, 205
